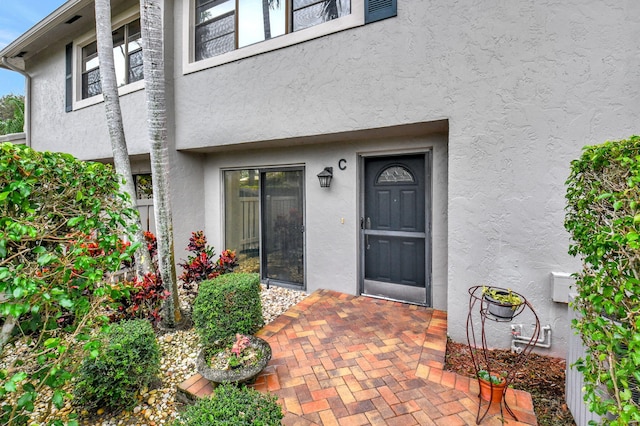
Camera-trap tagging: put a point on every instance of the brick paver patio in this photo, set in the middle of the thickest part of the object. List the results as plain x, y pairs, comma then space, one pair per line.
346, 360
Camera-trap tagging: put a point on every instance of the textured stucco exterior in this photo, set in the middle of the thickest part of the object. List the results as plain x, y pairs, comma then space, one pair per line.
517, 88
332, 215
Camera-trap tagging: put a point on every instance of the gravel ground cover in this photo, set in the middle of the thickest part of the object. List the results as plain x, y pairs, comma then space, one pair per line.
157, 405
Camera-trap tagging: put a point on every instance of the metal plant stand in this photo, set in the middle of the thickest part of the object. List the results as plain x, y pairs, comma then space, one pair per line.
479, 313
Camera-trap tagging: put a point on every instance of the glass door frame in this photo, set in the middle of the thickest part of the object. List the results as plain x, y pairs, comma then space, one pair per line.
261, 171
263, 260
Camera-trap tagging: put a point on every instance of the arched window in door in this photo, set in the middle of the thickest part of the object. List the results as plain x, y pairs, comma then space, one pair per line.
395, 174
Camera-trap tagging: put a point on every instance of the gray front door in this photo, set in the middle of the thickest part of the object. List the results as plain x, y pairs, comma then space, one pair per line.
395, 231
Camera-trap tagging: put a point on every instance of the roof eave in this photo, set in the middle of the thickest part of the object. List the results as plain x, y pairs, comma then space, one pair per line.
39, 30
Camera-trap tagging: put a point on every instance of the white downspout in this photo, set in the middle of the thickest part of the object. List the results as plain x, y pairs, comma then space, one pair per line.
27, 99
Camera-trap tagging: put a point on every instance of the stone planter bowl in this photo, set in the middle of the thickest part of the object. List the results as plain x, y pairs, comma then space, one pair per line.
236, 375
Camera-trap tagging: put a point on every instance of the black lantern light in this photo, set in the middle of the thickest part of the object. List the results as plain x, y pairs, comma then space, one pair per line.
325, 177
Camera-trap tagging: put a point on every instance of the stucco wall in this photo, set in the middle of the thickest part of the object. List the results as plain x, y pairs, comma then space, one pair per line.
82, 132
524, 86
331, 247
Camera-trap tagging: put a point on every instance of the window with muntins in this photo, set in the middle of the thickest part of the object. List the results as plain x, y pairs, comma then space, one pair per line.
127, 56
226, 25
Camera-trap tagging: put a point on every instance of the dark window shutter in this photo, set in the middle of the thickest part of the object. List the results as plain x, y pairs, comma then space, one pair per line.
68, 101
376, 10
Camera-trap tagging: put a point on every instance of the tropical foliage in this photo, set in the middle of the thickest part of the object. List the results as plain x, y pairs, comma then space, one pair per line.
603, 217
201, 265
61, 223
11, 114
142, 296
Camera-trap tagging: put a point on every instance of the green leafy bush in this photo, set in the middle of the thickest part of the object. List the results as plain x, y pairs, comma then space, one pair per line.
128, 360
234, 406
61, 221
603, 217
228, 305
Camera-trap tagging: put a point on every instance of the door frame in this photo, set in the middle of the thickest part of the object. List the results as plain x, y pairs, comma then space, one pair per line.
428, 213
263, 268
261, 169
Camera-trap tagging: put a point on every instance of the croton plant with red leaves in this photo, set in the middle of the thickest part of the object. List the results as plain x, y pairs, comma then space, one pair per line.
202, 265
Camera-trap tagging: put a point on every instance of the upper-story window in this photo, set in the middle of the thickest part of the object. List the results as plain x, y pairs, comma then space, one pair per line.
226, 25
127, 56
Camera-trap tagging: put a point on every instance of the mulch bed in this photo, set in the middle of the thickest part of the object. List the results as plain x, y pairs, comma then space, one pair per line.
542, 376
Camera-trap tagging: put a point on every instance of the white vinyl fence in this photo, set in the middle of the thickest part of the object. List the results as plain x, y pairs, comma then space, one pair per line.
147, 219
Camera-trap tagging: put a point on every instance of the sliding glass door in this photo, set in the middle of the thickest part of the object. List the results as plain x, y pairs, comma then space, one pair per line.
264, 222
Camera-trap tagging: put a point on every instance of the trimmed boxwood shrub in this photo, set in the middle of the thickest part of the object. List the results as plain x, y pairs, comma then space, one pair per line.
128, 360
227, 305
232, 405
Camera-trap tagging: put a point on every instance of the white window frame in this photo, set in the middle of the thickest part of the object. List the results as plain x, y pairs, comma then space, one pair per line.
190, 65
118, 21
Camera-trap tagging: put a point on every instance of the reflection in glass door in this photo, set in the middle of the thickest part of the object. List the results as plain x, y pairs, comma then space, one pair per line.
283, 231
264, 222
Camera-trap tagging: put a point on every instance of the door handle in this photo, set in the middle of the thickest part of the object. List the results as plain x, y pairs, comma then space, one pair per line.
366, 236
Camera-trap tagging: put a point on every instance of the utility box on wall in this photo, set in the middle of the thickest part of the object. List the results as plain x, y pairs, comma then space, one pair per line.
561, 284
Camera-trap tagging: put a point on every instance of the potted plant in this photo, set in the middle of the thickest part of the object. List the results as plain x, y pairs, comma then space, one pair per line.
226, 313
502, 304
236, 362
492, 386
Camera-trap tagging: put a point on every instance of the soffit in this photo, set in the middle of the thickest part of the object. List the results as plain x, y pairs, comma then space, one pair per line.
400, 131
53, 28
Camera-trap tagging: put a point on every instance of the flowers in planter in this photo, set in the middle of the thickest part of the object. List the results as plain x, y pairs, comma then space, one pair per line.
226, 312
239, 354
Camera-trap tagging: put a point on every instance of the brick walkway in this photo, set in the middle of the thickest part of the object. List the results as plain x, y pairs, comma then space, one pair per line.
345, 360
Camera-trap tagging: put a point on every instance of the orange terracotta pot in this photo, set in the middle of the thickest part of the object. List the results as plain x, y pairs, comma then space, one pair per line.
492, 393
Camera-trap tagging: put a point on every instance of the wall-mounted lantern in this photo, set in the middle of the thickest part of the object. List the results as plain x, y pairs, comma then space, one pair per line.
325, 177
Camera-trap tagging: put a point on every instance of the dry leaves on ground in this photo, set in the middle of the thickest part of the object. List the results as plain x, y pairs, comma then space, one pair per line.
542, 376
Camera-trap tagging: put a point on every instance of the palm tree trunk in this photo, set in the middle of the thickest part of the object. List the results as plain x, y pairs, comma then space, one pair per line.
266, 19
151, 23
330, 10
114, 122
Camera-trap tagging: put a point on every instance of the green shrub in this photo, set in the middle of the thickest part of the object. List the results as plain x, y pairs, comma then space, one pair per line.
61, 224
232, 405
128, 360
227, 305
603, 216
